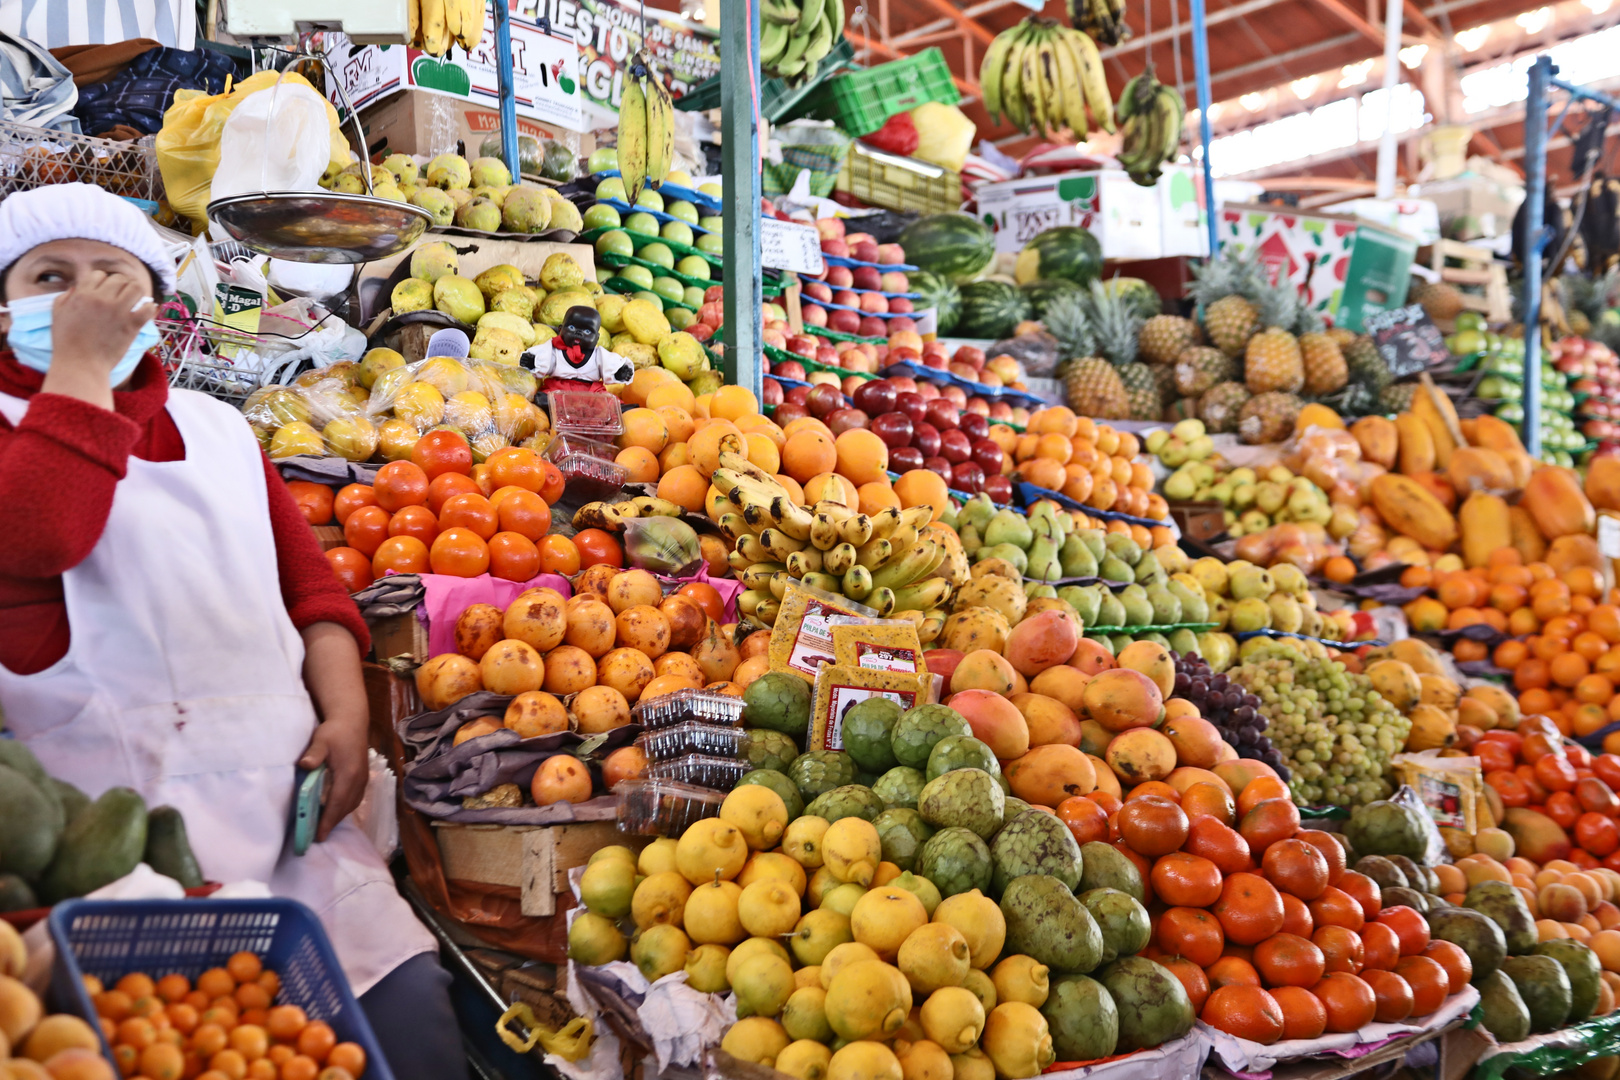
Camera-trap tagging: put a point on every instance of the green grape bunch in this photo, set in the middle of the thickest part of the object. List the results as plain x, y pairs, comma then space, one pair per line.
1335, 731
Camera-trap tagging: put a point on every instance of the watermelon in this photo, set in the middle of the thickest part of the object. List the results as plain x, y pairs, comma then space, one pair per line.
955, 246
1043, 292
1142, 297
939, 294
1068, 252
990, 309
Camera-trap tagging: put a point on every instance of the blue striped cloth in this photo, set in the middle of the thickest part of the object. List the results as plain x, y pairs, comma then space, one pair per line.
34, 86
55, 23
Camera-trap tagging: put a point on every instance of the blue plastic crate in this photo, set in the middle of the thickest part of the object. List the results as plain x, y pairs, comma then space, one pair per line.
112, 938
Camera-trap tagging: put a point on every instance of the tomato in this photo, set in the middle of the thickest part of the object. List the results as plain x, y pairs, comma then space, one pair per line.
470, 511
1597, 834
1494, 756
1579, 756
400, 484
513, 556
443, 451
551, 490
596, 546
350, 567
366, 529
417, 521
459, 552
354, 496
448, 485
707, 597
402, 555
315, 501
1606, 767
524, 513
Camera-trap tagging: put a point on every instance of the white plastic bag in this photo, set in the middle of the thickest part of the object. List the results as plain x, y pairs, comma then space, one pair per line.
277, 139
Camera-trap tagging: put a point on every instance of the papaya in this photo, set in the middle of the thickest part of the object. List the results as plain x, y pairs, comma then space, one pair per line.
1438, 486
1603, 482
1486, 525
1493, 433
1378, 440
1410, 509
1432, 729
1577, 549
167, 849
1434, 409
1556, 502
1527, 539
31, 825
104, 843
1473, 469
1417, 444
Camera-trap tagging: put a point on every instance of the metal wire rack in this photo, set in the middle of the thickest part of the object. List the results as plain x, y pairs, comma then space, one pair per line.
33, 157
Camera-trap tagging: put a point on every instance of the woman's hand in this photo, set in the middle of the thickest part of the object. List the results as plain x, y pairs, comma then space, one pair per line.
332, 674
96, 320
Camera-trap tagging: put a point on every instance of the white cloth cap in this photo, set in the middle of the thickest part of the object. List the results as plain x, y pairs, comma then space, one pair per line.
80, 212
448, 342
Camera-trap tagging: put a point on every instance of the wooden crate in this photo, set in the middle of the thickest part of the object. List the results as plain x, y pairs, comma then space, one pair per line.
400, 635
1199, 520
534, 858
330, 536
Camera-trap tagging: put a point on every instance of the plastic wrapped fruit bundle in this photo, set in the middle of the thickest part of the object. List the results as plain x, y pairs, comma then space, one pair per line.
1234, 711
1334, 731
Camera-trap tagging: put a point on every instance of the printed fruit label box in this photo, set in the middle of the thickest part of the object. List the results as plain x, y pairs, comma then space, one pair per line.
1124, 217
1347, 268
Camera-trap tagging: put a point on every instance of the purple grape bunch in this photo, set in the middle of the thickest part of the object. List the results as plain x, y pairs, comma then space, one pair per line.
1233, 710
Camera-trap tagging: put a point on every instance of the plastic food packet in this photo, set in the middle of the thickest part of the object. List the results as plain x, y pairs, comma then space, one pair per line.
1452, 788
379, 406
801, 637
663, 545
1434, 846
879, 645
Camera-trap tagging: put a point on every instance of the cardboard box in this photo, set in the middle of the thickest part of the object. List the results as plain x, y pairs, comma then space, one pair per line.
1183, 221
1124, 217
427, 124
1346, 268
535, 859
1417, 218
1489, 204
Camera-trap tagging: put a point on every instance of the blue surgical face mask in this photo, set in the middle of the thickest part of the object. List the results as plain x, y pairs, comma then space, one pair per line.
30, 337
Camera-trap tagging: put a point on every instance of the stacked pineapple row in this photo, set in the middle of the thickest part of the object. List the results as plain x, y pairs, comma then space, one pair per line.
1258, 358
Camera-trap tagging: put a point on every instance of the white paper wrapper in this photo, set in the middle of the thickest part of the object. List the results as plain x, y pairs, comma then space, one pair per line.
1183, 1057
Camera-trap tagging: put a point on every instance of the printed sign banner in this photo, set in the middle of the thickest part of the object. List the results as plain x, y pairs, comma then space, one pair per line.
608, 33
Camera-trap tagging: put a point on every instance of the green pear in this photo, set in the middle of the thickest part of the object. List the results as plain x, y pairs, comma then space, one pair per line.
1148, 569
1076, 558
1095, 541
1114, 569
1286, 614
1123, 548
1194, 608
971, 540
1110, 610
1251, 582
1183, 641
1009, 527
1166, 608
1138, 608
1084, 600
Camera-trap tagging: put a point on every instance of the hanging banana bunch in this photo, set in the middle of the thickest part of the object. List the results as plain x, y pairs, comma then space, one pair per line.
1043, 77
646, 129
795, 37
1103, 20
1151, 117
435, 24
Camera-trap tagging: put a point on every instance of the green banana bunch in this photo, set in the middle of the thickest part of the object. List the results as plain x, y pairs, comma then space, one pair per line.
646, 129
1151, 115
795, 37
1102, 20
1043, 77
879, 560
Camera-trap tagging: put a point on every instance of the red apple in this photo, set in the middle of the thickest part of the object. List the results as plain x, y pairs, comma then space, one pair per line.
803, 345
840, 277
967, 476
875, 303
847, 298
836, 248
899, 305
942, 414
970, 354
790, 369
776, 339
989, 456
939, 466
824, 400
912, 405
815, 315
826, 354
925, 437
901, 354
1000, 410
894, 428
963, 371
872, 326
842, 420
830, 228
701, 331
927, 390
902, 383
858, 238
894, 281
955, 395
770, 392
851, 384
902, 459
864, 251
902, 322
818, 290
954, 446
973, 425
935, 360
714, 294
867, 277
976, 406
844, 322
1000, 490
875, 396
797, 395
789, 411
890, 254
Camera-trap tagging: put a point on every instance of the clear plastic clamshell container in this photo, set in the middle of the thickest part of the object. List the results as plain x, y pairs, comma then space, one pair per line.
668, 743
595, 416
699, 706
700, 769
587, 466
649, 807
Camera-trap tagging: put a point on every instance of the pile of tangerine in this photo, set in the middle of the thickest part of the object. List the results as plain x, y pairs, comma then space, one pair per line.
222, 1028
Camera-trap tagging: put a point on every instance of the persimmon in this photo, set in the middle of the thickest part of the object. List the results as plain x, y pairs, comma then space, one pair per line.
1191, 932
1296, 867
1289, 960
1349, 1002
1245, 1011
1250, 908
1392, 995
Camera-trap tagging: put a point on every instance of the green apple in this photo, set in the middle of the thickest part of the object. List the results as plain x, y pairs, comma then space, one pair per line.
611, 188
637, 275
713, 191
678, 231
650, 199
694, 266
643, 223
615, 242
692, 297
648, 295
601, 216
680, 208
710, 243
602, 160
715, 224
660, 254
679, 318
669, 289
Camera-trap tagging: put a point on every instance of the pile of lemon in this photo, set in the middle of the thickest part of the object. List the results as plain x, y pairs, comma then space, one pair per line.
843, 966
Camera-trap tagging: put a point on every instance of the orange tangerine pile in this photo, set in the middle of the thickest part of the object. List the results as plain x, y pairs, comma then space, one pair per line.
223, 1027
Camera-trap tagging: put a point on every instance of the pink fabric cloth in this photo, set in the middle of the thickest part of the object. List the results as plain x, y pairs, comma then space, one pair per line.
447, 597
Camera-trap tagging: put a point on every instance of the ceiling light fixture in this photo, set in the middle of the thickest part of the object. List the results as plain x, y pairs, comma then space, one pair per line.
1354, 74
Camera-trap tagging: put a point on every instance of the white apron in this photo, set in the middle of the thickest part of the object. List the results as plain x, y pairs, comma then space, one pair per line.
183, 681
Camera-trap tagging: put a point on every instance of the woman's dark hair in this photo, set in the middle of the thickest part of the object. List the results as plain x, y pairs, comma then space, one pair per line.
157, 283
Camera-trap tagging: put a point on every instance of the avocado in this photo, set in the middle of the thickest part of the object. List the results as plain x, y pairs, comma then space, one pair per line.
1502, 1010
1581, 965
103, 844
167, 849
31, 823
74, 802
1544, 986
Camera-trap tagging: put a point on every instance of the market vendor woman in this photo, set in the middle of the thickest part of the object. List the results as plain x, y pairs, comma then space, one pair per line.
168, 622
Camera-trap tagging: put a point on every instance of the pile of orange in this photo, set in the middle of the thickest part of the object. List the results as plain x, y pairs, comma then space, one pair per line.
1089, 462
1270, 934
223, 1027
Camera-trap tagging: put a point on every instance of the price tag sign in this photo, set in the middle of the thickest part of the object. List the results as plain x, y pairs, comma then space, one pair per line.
1407, 339
787, 245
1608, 536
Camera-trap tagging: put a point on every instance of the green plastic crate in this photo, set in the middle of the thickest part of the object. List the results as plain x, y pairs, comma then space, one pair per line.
862, 101
778, 102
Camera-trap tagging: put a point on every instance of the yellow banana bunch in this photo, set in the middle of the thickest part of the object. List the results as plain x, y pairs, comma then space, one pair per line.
1044, 77
435, 24
612, 516
646, 129
879, 560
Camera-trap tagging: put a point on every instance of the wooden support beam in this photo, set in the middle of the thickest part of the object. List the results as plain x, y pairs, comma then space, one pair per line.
1345, 13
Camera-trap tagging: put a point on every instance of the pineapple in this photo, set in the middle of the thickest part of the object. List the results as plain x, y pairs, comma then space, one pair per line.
1093, 388
1220, 406
1440, 300
1201, 367
1164, 379
1268, 417
1325, 369
1165, 337
1181, 409
1341, 336
1273, 361
1224, 290
1116, 324
1366, 364
1141, 390
1066, 320
1397, 397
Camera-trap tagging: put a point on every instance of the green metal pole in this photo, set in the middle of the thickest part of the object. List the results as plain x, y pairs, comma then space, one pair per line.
740, 177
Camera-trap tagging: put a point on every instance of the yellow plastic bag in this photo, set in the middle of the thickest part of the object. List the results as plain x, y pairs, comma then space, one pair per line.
944, 135
188, 144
